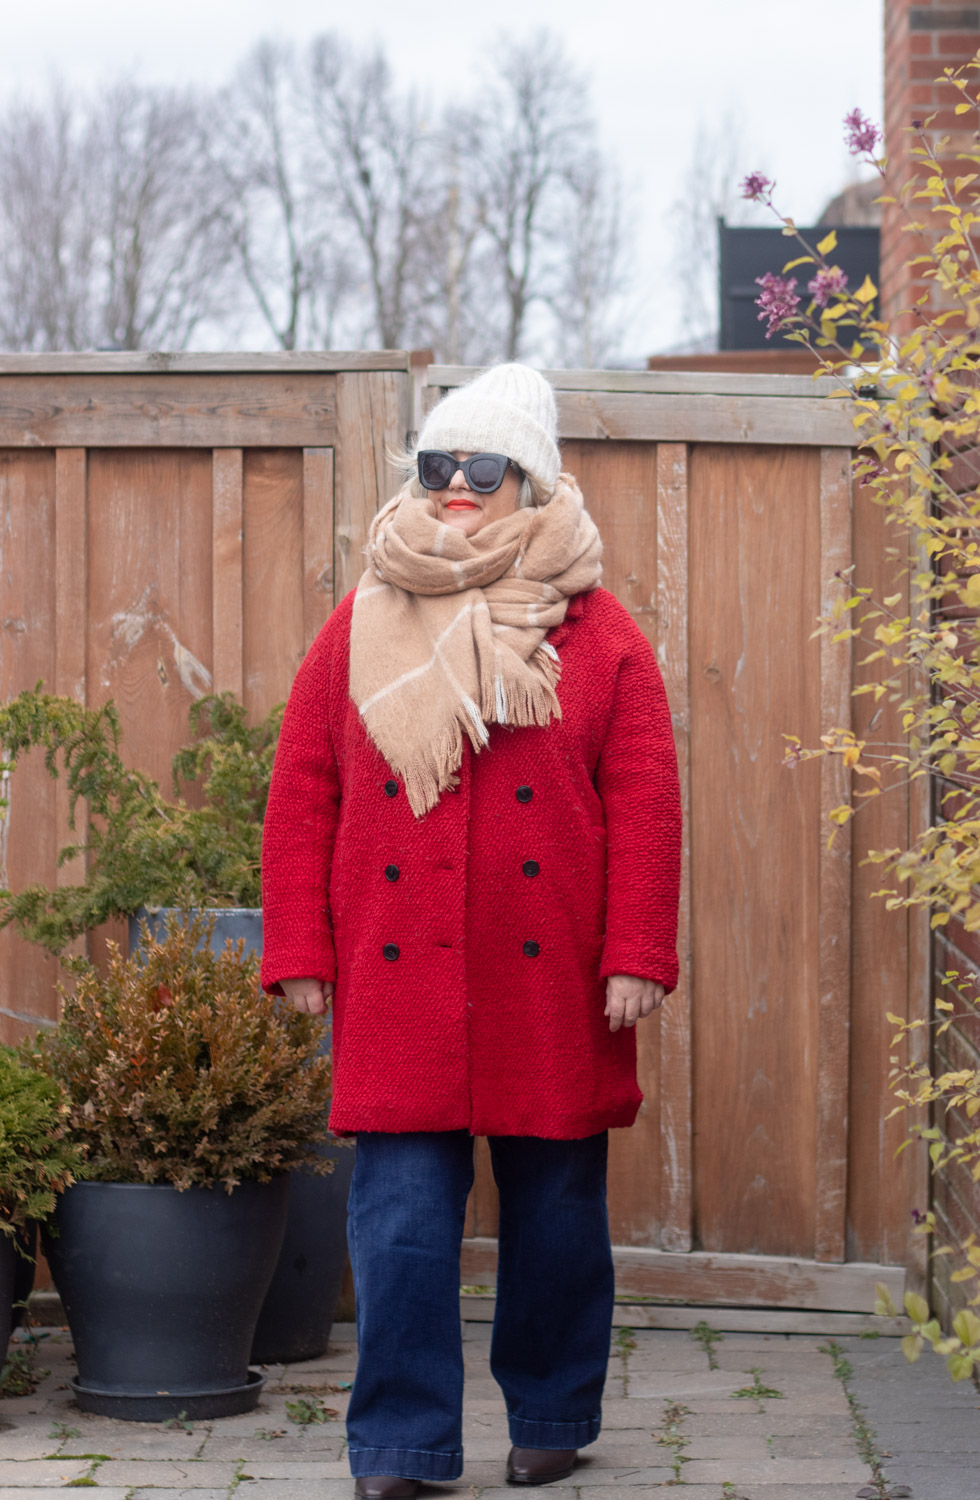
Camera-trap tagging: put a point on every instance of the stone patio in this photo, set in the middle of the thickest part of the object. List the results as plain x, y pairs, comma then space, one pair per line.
743, 1417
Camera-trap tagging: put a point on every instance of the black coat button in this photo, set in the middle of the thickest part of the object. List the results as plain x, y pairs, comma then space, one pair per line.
531, 948
391, 951
391, 788
531, 867
524, 794
392, 872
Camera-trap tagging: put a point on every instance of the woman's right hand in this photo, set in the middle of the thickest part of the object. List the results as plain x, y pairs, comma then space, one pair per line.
310, 995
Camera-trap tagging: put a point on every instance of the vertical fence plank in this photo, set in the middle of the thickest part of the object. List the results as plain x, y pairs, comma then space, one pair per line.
318, 594
71, 625
29, 826
372, 416
227, 605
834, 922
673, 586
274, 631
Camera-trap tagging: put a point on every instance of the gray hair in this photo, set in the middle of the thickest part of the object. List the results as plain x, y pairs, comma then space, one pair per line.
532, 492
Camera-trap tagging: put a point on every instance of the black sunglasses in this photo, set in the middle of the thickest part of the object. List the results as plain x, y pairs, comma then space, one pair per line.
484, 472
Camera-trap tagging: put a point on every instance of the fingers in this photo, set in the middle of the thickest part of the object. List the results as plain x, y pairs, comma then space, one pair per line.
308, 995
628, 999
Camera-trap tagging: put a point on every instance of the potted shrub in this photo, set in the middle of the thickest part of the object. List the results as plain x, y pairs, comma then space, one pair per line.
147, 854
36, 1163
192, 1095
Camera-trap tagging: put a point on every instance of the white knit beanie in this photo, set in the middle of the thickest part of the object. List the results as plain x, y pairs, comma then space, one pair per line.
508, 409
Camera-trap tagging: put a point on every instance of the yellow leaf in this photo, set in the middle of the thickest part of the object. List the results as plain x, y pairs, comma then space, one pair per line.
916, 1307
828, 243
911, 1347
971, 594
867, 291
961, 109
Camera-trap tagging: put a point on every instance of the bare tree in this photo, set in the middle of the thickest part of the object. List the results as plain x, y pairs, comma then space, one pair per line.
161, 237
710, 192
593, 272
285, 240
532, 127
47, 250
377, 168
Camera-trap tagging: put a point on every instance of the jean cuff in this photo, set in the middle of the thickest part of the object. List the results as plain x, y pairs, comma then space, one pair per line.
407, 1463
527, 1433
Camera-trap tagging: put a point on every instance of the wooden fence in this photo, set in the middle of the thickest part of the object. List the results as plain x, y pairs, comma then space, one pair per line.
175, 525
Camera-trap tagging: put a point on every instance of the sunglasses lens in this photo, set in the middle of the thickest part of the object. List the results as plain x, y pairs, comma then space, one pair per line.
486, 472
436, 470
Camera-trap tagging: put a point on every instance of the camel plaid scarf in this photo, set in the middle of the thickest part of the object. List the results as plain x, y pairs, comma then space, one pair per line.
448, 631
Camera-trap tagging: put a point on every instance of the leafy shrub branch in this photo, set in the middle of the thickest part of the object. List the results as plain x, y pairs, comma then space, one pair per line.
916, 398
139, 847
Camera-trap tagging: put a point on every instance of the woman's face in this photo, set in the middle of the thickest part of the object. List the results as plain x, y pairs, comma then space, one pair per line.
467, 510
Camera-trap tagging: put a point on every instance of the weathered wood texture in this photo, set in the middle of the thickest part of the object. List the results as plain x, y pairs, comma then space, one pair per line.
166, 550
166, 533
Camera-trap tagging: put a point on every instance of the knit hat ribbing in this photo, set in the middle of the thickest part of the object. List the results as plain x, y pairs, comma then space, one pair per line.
508, 409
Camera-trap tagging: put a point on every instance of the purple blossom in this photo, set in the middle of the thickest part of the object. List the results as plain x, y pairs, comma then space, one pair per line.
757, 186
867, 468
918, 1217
862, 136
828, 282
777, 301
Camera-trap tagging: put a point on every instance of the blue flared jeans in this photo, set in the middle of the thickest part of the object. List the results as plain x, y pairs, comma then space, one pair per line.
550, 1342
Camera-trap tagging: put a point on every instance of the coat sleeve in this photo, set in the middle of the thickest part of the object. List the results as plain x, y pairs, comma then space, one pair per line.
301, 826
637, 781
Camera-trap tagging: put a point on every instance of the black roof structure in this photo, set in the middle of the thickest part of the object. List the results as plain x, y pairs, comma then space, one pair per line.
744, 254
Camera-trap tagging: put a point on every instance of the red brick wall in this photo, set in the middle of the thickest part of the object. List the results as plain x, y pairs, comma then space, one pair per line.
921, 40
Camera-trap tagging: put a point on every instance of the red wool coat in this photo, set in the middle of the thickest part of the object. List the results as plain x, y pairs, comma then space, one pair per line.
469, 948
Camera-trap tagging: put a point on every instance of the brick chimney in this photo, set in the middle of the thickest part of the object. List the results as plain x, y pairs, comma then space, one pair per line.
920, 41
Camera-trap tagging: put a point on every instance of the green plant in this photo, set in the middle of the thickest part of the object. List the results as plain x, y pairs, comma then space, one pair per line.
176, 1068
307, 1411
702, 1333
141, 848
36, 1159
20, 1375
181, 1420
757, 1391
913, 380
61, 1432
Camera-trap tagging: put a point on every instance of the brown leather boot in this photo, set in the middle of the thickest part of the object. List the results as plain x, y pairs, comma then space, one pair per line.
385, 1487
540, 1465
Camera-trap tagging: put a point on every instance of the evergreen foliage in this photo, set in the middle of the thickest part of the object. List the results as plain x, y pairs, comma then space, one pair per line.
36, 1159
140, 848
177, 1068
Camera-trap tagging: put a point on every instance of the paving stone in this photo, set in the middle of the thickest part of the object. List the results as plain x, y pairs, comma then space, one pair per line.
779, 1471
626, 1478
184, 1494
633, 1413
315, 1445
22, 1445
7, 1493
778, 1420
309, 1468
193, 1473
729, 1445
40, 1474
675, 1387
129, 1440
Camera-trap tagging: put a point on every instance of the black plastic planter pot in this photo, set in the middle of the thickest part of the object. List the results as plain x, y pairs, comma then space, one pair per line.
8, 1272
297, 1314
162, 1292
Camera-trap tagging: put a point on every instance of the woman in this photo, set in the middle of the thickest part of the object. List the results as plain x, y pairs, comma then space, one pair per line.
472, 843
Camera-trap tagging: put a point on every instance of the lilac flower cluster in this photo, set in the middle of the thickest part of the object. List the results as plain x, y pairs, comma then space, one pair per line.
777, 300
862, 136
757, 187
828, 282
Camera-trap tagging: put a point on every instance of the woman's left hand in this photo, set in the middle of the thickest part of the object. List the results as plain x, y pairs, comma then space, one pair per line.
629, 998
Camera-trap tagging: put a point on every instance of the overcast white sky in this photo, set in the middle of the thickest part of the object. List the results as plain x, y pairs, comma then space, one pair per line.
785, 70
